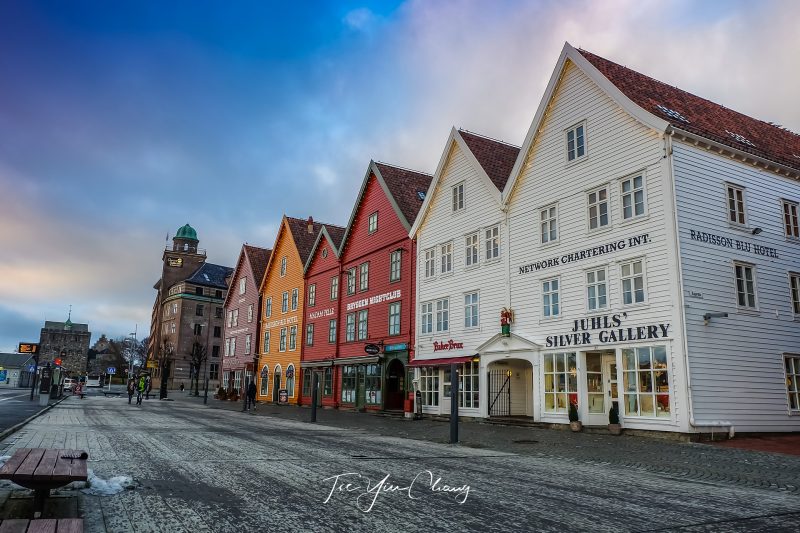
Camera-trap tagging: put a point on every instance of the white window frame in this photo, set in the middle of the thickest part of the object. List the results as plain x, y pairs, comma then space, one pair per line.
250, 313
394, 318
282, 341
472, 250
562, 383
334, 288
351, 280
791, 368
442, 315
235, 317
283, 266
372, 223
310, 334
265, 348
430, 263
547, 297
446, 258
295, 299
227, 347
790, 211
744, 265
623, 278
268, 307
242, 285
631, 385
292, 338
426, 318
312, 295
491, 243
363, 276
472, 310
247, 344
233, 346
395, 265
458, 197
794, 293
285, 302
632, 193
597, 203
597, 285
743, 201
363, 319
574, 130
350, 328
548, 224
332, 331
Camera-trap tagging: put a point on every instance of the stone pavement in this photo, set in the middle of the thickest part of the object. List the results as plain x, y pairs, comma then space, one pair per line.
198, 468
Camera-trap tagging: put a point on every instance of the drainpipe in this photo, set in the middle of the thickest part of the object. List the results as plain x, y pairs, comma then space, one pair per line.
682, 315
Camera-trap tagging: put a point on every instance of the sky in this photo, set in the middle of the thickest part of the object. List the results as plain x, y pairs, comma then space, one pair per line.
122, 121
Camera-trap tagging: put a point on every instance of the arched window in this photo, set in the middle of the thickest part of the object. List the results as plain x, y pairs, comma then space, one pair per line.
290, 381
265, 380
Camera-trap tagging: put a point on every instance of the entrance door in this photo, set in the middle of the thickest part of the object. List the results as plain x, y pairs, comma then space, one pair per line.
360, 387
276, 384
395, 385
319, 377
610, 377
601, 386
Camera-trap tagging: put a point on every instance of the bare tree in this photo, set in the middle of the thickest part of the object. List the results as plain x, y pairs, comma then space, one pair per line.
166, 350
198, 357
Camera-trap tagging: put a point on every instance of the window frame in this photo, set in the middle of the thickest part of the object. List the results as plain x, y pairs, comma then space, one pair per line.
362, 335
792, 380
574, 129
458, 197
449, 255
310, 334
332, 325
791, 221
794, 293
469, 247
550, 293
352, 282
268, 307
283, 266
735, 187
626, 391
295, 299
475, 315
632, 193
552, 223
292, 338
442, 311
363, 277
622, 279
752, 267
605, 284
372, 223
570, 383
430, 262
395, 265
395, 318
334, 288
426, 313
350, 327
242, 285
596, 190
282, 340
312, 294
486, 243
265, 348
285, 302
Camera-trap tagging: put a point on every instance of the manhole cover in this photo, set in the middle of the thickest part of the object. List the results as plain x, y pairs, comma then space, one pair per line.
525, 441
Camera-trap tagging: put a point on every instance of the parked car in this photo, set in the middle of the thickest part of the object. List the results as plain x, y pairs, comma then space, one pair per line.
69, 383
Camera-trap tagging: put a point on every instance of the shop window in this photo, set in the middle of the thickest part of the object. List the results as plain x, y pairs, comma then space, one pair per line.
549, 224
471, 310
551, 301
348, 384
426, 317
442, 315
307, 375
362, 324
646, 381
492, 243
560, 381
292, 337
632, 192
429, 385
576, 142
327, 382
430, 263
736, 205
468, 385
632, 278
312, 294
394, 318
372, 384
446, 258
790, 223
471, 250
745, 285
237, 380
394, 265
334, 288
793, 382
332, 331
596, 289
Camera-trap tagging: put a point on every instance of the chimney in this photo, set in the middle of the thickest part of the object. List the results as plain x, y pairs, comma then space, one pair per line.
310, 225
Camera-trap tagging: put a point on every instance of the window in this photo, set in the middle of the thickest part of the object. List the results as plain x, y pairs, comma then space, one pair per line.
646, 381
235, 317
550, 298
373, 222
215, 351
793, 382
458, 197
230, 319
471, 310
576, 142
247, 342
218, 312
264, 381
199, 310
198, 291
429, 385
217, 332
283, 266
348, 384
309, 334
350, 333
227, 347
218, 294
430, 263
632, 197
468, 385
285, 302
560, 381
372, 384
745, 285
174, 308
394, 265
327, 383
332, 331
242, 285
471, 247
307, 375
790, 219
198, 329
292, 337
213, 369
598, 208
351, 281
290, 381
363, 277
492, 243
794, 282
394, 318
736, 212
282, 343
268, 307
426, 320
312, 295
250, 313
294, 299
334, 287
362, 324
442, 315
265, 348
233, 346
596, 294
549, 224
632, 277
446, 251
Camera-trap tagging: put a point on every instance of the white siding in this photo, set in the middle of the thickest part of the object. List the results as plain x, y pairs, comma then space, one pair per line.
736, 363
617, 146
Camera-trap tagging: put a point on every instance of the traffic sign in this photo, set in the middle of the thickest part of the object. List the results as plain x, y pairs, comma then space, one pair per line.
31, 368
111, 370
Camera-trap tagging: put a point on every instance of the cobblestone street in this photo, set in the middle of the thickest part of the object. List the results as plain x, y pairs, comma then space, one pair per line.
198, 468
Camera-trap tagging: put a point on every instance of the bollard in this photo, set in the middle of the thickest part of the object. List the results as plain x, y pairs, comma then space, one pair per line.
453, 404
314, 395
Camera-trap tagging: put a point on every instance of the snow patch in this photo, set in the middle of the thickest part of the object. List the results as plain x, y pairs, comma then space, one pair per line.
107, 487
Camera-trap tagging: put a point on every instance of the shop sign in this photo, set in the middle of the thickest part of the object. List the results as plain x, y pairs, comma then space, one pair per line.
385, 297
585, 331
175, 261
283, 396
448, 345
281, 322
610, 247
321, 313
733, 244
28, 347
395, 347
372, 349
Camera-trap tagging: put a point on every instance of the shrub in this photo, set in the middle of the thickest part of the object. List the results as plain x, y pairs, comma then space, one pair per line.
573, 412
613, 415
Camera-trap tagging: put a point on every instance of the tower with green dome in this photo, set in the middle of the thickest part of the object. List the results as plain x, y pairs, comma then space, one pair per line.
185, 240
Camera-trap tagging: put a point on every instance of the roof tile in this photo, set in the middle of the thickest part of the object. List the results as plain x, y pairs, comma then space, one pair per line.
405, 186
497, 158
305, 240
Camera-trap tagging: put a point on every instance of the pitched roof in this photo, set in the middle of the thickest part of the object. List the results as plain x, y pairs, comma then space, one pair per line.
336, 233
259, 257
405, 186
14, 360
497, 158
690, 113
211, 275
305, 240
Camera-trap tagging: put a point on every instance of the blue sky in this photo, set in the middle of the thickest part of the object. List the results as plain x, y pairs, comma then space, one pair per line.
122, 121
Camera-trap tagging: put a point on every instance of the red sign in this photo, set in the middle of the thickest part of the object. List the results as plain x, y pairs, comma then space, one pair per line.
449, 345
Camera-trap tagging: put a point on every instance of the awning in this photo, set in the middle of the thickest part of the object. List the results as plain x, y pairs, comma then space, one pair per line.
443, 361
356, 360
315, 364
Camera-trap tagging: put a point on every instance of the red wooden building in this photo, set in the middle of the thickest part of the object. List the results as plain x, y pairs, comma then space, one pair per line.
319, 345
376, 290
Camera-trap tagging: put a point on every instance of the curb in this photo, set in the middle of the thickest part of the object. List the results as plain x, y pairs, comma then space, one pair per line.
13, 429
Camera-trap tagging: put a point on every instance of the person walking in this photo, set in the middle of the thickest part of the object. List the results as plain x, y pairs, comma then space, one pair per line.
140, 390
148, 386
131, 389
251, 395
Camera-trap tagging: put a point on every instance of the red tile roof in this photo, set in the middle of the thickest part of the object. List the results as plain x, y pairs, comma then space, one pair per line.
336, 233
497, 158
305, 240
406, 186
702, 117
259, 257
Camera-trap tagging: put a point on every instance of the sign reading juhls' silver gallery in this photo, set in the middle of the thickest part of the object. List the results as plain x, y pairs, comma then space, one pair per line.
583, 332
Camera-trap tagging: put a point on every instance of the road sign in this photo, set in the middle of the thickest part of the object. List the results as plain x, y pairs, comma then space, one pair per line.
372, 349
31, 369
111, 370
28, 347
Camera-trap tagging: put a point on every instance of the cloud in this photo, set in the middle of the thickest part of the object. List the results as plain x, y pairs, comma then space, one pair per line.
359, 19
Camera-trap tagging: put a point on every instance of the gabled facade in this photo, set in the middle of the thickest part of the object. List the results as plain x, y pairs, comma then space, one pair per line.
283, 303
242, 324
654, 253
376, 290
320, 348
462, 273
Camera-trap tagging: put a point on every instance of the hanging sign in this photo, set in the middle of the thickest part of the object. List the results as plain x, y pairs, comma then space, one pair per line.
372, 349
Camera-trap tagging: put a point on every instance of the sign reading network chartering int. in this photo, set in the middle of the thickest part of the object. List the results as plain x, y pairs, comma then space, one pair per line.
580, 255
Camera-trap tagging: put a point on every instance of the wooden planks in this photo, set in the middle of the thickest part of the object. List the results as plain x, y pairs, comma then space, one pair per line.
45, 469
28, 466
12, 464
43, 526
14, 526
70, 525
50, 525
45, 466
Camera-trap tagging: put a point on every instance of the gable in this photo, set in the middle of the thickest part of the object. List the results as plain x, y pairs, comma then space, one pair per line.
284, 247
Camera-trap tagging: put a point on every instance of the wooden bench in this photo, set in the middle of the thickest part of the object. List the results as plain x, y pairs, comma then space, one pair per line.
44, 469
64, 525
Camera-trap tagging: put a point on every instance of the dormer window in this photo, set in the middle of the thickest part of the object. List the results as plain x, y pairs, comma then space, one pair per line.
576, 142
739, 138
672, 113
458, 197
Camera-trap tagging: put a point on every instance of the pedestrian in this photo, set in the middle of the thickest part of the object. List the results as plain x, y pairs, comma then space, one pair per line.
251, 395
148, 387
140, 390
181, 387
131, 390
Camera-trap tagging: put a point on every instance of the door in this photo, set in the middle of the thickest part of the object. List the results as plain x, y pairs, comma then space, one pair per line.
395, 384
610, 377
360, 387
601, 387
319, 377
276, 385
